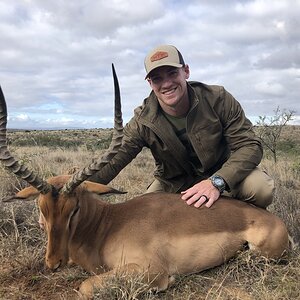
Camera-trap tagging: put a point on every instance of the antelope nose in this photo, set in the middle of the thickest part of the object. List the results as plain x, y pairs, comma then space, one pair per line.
53, 266
56, 267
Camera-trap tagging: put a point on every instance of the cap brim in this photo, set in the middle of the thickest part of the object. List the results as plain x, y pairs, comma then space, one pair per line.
162, 65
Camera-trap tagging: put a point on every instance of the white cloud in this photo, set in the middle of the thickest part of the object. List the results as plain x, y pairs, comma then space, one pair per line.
262, 8
22, 117
270, 88
55, 56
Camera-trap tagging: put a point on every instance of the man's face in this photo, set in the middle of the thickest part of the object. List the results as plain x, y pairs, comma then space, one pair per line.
169, 85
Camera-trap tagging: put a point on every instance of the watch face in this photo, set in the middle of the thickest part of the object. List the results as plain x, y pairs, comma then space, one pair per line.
219, 181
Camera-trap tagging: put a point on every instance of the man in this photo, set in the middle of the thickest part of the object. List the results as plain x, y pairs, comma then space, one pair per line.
202, 143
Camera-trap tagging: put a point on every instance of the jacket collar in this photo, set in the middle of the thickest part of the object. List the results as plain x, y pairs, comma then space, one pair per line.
152, 117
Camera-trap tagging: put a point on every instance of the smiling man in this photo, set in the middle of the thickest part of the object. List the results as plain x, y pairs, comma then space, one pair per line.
202, 143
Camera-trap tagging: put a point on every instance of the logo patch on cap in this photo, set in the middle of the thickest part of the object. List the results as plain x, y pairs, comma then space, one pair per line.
159, 55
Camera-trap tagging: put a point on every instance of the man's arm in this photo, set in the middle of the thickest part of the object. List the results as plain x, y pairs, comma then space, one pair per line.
132, 144
246, 153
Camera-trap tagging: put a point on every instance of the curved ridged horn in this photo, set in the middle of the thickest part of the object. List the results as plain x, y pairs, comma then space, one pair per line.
116, 142
8, 160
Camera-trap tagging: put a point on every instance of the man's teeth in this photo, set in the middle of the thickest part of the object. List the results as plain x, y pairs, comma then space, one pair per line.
169, 92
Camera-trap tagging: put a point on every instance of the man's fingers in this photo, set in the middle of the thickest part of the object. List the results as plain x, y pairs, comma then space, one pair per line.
210, 202
192, 199
199, 199
187, 194
199, 203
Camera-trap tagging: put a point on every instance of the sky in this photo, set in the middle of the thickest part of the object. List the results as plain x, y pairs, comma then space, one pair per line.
56, 56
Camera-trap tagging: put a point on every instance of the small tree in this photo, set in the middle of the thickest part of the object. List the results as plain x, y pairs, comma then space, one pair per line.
269, 129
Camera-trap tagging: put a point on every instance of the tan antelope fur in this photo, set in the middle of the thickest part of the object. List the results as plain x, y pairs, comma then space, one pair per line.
156, 234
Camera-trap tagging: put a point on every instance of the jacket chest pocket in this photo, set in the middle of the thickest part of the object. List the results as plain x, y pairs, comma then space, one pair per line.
208, 143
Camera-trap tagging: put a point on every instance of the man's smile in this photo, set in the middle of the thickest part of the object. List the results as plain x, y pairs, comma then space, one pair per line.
169, 92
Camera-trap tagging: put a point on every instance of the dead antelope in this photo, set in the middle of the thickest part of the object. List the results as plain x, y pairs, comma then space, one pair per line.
155, 234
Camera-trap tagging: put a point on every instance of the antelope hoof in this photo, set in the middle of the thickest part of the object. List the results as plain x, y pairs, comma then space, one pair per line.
86, 291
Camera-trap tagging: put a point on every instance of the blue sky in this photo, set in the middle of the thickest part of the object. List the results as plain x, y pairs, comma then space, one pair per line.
55, 56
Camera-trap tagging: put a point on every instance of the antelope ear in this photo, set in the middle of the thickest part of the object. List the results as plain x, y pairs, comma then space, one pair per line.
99, 188
26, 194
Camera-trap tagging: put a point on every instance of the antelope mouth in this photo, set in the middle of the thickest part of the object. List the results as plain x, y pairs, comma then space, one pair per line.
54, 266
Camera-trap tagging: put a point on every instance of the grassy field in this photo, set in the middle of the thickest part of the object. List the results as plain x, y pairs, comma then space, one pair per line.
23, 274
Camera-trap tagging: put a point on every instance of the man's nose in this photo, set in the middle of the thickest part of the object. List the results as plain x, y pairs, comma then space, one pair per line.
166, 80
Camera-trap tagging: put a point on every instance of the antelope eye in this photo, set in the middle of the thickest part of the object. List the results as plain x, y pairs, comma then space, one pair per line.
75, 211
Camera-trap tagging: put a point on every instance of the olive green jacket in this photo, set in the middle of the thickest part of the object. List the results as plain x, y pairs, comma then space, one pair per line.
221, 135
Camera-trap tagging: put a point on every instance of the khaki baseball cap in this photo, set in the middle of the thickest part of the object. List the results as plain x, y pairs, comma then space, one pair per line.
164, 55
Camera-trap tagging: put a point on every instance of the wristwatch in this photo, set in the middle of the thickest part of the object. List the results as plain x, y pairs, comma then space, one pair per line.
218, 182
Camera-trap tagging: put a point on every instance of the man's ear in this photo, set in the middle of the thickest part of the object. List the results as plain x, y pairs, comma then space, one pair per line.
149, 81
187, 71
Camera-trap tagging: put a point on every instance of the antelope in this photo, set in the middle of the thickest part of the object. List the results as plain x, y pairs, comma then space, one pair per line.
154, 234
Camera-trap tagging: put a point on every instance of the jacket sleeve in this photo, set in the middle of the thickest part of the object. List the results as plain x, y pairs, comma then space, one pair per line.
132, 144
245, 148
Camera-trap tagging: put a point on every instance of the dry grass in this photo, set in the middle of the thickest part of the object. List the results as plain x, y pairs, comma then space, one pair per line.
22, 244
242, 278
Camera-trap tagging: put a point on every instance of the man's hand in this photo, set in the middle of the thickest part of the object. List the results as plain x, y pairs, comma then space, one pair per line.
200, 193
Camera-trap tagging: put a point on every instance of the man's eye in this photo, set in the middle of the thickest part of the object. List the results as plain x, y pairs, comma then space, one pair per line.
155, 79
173, 73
